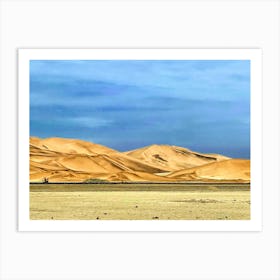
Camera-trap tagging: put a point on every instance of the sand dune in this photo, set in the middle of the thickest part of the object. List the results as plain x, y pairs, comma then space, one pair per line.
70, 160
81, 160
172, 158
232, 169
72, 146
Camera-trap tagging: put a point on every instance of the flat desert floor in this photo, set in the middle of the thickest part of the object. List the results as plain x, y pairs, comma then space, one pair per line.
140, 201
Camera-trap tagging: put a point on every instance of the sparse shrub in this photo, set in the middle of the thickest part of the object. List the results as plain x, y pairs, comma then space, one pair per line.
95, 181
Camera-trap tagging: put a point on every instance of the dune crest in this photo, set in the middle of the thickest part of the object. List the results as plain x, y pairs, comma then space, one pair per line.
71, 160
72, 146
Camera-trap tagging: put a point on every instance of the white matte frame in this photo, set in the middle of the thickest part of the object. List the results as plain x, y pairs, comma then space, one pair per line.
139, 255
253, 55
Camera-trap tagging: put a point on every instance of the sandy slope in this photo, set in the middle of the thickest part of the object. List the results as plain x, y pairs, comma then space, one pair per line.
173, 158
232, 169
70, 160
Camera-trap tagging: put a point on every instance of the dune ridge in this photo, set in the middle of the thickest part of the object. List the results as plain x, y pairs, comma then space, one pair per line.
71, 160
173, 157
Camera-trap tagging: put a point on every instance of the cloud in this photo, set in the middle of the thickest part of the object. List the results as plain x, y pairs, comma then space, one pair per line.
90, 122
183, 78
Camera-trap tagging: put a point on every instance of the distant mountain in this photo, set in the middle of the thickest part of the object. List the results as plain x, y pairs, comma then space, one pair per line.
71, 160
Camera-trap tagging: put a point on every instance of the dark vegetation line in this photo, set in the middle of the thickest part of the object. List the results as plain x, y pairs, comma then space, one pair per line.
140, 183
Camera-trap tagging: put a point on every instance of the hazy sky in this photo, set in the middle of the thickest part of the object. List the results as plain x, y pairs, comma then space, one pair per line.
202, 105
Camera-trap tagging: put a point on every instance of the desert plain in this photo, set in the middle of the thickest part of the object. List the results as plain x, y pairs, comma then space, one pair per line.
139, 202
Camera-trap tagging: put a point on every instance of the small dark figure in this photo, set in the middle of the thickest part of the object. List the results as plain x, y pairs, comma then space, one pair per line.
155, 218
45, 180
97, 218
136, 206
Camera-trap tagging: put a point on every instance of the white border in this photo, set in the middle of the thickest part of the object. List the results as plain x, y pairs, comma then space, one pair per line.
254, 55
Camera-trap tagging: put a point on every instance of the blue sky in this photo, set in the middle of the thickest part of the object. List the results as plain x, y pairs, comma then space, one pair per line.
203, 105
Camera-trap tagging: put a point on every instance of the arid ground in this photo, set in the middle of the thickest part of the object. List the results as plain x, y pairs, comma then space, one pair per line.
140, 201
